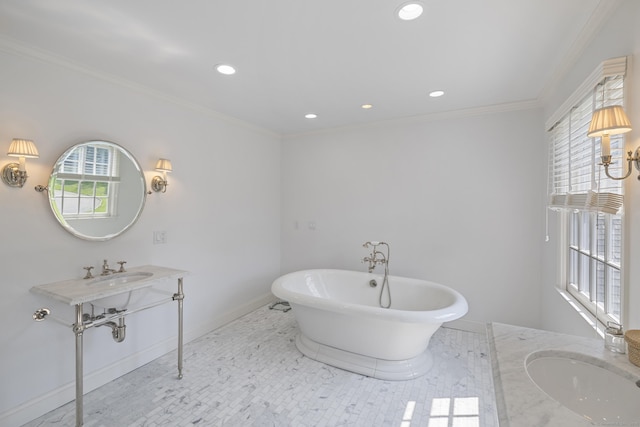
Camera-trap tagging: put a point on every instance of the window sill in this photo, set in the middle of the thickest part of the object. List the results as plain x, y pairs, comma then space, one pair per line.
588, 317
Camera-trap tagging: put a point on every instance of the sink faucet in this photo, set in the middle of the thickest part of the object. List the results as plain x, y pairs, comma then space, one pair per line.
105, 269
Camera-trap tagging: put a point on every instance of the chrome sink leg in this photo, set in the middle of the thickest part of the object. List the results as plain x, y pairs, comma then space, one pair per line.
78, 329
179, 297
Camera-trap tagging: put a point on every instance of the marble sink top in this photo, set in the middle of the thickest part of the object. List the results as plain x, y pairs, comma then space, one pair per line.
78, 291
520, 402
119, 279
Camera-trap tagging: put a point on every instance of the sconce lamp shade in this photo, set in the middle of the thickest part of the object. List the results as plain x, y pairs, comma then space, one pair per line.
609, 121
164, 165
15, 174
23, 148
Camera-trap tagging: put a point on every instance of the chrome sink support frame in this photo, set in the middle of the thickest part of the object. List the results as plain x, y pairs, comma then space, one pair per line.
81, 325
179, 296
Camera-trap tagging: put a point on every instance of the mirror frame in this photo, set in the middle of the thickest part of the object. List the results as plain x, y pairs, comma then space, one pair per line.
64, 224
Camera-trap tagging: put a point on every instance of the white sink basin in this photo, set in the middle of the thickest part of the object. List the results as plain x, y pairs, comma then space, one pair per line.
590, 387
123, 300
119, 278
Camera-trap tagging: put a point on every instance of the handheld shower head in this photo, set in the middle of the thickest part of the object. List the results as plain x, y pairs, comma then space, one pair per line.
367, 244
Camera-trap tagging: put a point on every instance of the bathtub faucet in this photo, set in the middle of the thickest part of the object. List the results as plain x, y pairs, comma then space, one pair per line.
376, 257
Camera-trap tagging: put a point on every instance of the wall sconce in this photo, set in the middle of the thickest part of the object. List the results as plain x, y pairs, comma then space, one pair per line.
159, 183
608, 121
15, 174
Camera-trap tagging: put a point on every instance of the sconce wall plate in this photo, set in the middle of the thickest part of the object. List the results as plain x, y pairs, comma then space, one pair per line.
159, 183
13, 176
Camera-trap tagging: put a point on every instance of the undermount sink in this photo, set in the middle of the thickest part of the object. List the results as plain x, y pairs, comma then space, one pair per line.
590, 387
122, 300
119, 278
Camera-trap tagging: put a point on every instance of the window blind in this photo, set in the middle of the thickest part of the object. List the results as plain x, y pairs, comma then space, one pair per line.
576, 180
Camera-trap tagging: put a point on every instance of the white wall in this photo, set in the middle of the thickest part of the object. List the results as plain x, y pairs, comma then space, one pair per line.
620, 36
460, 201
221, 214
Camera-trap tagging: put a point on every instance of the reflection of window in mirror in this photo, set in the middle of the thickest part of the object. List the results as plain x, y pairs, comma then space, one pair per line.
87, 181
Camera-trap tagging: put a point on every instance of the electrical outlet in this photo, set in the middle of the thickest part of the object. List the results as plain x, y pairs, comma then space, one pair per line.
159, 237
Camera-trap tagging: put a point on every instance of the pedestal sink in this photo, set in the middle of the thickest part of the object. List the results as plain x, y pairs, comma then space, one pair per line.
590, 387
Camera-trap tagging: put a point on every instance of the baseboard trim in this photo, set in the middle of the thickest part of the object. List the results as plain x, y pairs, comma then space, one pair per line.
40, 405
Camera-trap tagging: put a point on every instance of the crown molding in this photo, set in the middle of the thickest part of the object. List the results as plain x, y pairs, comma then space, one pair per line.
600, 15
602, 12
15, 48
425, 118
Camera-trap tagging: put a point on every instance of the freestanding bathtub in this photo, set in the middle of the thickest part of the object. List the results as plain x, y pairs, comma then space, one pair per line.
341, 323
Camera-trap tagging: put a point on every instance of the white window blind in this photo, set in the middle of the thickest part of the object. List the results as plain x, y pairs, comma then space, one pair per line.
576, 180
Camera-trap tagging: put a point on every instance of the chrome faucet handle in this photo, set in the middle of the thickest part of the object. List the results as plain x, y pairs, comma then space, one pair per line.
88, 275
371, 262
122, 263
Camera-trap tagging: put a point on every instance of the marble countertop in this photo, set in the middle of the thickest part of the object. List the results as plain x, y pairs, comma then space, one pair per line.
77, 291
519, 401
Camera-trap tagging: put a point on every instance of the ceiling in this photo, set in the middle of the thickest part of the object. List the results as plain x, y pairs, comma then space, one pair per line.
298, 56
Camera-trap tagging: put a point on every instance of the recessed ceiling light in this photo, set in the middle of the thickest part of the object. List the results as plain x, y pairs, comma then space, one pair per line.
410, 11
366, 106
225, 69
436, 93
311, 115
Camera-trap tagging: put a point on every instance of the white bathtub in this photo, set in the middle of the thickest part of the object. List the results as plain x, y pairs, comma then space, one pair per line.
341, 323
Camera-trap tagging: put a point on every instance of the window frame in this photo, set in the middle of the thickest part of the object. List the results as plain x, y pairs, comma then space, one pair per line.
598, 264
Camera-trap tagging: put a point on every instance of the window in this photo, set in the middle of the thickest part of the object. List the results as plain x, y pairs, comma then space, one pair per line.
594, 262
86, 183
589, 203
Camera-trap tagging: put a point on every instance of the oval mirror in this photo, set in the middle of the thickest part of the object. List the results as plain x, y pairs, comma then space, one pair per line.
97, 190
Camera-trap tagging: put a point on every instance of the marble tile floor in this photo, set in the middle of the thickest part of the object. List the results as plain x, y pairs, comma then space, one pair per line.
249, 373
